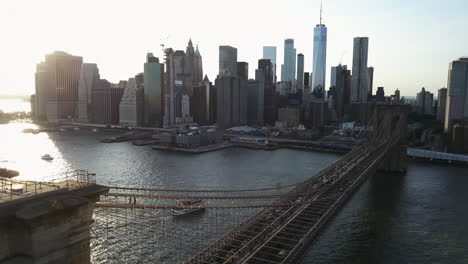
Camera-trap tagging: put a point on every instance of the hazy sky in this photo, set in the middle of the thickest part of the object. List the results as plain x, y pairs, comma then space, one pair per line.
411, 42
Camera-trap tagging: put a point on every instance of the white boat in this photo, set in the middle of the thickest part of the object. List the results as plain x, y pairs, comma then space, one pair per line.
184, 211
95, 130
47, 157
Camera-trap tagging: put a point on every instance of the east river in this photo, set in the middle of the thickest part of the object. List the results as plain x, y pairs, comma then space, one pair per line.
420, 217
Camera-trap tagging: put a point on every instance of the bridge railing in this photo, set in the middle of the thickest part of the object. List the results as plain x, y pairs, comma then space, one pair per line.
11, 189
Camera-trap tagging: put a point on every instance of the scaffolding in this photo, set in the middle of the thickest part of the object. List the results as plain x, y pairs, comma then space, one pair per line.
135, 225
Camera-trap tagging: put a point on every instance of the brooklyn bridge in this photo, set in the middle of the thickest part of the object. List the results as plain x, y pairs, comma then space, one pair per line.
113, 224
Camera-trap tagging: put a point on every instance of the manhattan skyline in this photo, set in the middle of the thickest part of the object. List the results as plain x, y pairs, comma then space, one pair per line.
411, 43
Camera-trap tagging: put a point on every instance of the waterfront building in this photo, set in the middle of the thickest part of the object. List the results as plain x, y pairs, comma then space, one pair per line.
89, 78
57, 82
457, 94
317, 113
269, 53
441, 104
191, 139
424, 102
105, 103
300, 72
231, 101
289, 116
201, 102
288, 71
227, 60
131, 106
255, 99
459, 139
362, 112
319, 59
153, 86
360, 78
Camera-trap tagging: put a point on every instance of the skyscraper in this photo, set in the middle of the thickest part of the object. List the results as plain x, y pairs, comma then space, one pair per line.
340, 81
269, 52
360, 79
289, 66
184, 70
201, 102
370, 74
182, 86
153, 97
457, 89
441, 104
255, 99
300, 71
89, 79
396, 97
130, 108
227, 60
194, 65
105, 103
231, 92
269, 113
243, 70
319, 58
57, 81
424, 100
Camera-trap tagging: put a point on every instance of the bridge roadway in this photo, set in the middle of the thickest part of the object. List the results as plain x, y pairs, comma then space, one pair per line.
279, 235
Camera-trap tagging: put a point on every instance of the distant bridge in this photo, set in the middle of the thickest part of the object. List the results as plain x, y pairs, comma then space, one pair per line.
440, 156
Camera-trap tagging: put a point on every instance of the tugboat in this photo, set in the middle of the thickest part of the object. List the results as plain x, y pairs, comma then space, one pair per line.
180, 212
47, 157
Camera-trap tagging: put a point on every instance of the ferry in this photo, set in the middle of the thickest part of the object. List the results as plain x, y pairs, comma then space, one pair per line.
47, 157
180, 212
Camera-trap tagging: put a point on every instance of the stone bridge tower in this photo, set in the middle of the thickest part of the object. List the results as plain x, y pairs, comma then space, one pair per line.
395, 162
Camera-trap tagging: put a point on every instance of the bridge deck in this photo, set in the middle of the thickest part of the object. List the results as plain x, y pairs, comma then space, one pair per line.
277, 235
